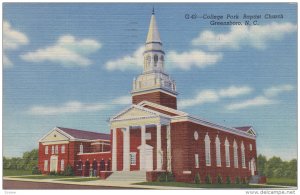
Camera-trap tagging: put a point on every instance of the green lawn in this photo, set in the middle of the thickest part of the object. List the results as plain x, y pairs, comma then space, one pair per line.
282, 181
81, 179
191, 185
45, 177
9, 172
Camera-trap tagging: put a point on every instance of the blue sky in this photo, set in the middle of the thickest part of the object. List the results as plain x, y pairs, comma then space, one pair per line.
72, 65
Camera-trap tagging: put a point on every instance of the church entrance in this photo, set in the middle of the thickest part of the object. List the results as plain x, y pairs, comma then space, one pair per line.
53, 164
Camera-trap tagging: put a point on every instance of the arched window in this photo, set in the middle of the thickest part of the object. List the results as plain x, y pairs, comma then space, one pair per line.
227, 153
81, 148
235, 154
155, 60
207, 150
243, 155
218, 151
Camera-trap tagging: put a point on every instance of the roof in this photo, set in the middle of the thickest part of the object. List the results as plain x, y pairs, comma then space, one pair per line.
245, 128
81, 134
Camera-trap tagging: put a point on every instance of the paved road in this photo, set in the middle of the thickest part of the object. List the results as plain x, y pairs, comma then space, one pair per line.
14, 185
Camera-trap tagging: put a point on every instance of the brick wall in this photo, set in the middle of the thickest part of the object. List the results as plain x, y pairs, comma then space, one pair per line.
158, 98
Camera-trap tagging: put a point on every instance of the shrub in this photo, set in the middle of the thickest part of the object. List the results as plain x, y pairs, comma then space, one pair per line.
166, 177
35, 171
237, 180
219, 179
207, 179
52, 173
244, 180
197, 178
228, 181
69, 171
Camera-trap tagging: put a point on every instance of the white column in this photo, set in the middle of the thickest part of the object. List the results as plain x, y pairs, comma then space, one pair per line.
126, 149
169, 156
114, 150
142, 149
158, 147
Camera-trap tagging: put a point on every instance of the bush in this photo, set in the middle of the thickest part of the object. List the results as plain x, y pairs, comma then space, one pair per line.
166, 177
207, 179
244, 180
237, 180
35, 171
52, 173
219, 179
69, 171
228, 181
197, 178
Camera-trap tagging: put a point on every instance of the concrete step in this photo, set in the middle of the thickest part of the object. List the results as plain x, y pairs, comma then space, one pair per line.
138, 176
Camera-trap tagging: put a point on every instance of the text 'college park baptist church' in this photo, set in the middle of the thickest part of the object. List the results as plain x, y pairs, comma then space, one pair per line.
152, 136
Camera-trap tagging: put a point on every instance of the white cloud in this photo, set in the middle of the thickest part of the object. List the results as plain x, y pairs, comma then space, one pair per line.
197, 58
76, 107
184, 61
12, 40
257, 101
234, 91
133, 61
276, 90
255, 36
211, 95
67, 51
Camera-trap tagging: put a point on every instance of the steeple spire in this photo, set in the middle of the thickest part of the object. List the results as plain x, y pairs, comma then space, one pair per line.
153, 11
153, 34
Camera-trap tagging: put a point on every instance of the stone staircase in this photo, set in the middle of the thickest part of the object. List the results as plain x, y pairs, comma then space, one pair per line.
130, 176
257, 179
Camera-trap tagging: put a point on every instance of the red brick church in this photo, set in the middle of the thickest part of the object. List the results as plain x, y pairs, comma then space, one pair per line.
151, 136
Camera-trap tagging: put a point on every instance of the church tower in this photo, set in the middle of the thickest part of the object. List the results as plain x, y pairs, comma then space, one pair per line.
154, 85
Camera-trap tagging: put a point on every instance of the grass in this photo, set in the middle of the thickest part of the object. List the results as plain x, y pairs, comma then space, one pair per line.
82, 179
282, 181
10, 172
45, 177
191, 185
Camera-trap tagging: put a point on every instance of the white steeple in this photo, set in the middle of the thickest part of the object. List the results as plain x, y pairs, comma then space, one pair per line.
153, 76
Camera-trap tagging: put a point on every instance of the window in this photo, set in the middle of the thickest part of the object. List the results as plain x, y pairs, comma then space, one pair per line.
45, 165
235, 155
196, 161
52, 150
243, 155
46, 149
132, 158
250, 146
56, 149
207, 150
63, 149
227, 154
155, 60
81, 148
218, 152
62, 165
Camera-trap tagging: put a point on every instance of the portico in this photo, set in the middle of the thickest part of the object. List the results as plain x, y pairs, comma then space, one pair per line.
138, 118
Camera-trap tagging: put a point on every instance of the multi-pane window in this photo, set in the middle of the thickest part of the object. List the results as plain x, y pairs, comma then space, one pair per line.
81, 148
63, 148
207, 150
243, 155
52, 150
196, 161
46, 149
235, 155
132, 158
227, 153
218, 152
62, 165
56, 149
45, 165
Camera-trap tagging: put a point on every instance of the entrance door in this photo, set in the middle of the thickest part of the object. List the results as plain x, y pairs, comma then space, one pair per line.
53, 163
149, 159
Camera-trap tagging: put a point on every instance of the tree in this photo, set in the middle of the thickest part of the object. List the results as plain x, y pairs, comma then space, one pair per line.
261, 163
274, 163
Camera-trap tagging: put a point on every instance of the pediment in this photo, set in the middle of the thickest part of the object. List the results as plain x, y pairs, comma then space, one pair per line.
135, 112
54, 136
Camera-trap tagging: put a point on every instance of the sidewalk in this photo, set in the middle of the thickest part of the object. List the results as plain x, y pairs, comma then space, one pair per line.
99, 182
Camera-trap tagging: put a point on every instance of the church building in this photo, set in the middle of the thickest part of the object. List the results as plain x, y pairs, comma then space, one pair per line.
152, 136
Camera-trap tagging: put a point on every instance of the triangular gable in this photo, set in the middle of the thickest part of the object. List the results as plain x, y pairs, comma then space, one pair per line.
162, 109
251, 131
136, 111
55, 135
